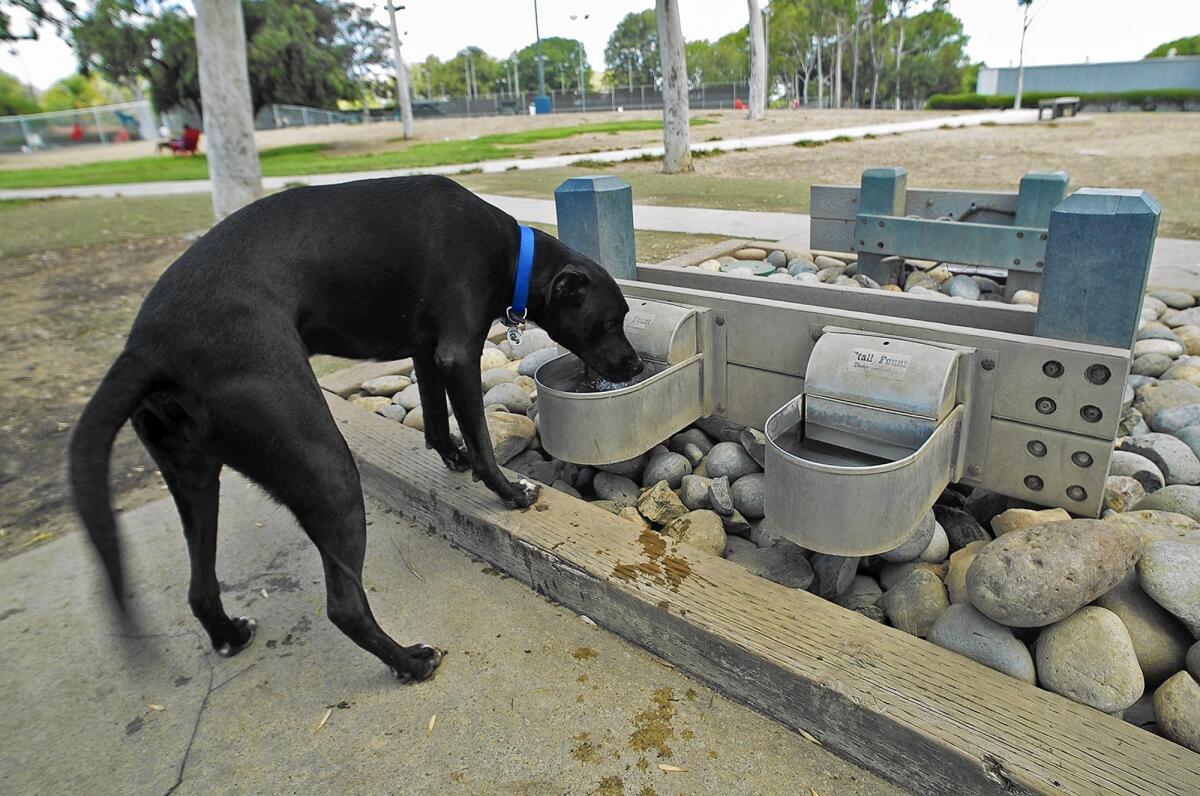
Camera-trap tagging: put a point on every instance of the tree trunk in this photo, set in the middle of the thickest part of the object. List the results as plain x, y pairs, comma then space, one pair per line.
758, 63
899, 54
837, 66
402, 95
820, 76
677, 155
228, 115
854, 71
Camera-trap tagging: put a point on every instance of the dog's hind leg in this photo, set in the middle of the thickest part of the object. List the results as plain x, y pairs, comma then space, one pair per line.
193, 479
299, 456
433, 412
460, 371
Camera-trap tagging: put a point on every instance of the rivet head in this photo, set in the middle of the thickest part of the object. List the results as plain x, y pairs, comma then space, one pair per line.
1036, 448
1076, 492
974, 470
1034, 483
720, 320
1081, 459
1045, 405
988, 364
1091, 414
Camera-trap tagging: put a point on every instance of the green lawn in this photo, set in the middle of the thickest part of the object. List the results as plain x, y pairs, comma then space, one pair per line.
315, 158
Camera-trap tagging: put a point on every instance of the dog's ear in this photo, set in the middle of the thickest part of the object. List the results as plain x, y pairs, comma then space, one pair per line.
570, 286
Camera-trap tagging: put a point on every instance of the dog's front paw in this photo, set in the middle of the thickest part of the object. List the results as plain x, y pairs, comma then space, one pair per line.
523, 494
420, 663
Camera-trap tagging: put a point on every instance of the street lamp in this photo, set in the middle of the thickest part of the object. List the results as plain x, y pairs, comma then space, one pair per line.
541, 102
582, 91
406, 115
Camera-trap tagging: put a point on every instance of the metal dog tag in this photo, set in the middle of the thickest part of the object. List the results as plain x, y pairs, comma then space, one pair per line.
514, 335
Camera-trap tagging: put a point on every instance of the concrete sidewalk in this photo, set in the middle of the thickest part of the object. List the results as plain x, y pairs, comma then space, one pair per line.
530, 700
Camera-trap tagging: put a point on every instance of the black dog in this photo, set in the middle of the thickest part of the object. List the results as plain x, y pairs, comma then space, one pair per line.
215, 370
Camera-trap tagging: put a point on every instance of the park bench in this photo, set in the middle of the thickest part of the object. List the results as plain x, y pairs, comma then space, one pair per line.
1059, 106
185, 144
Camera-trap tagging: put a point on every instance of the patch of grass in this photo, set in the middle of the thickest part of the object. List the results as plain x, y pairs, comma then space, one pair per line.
707, 153
46, 224
591, 164
841, 139
304, 159
945, 127
808, 143
715, 138
645, 157
988, 123
870, 137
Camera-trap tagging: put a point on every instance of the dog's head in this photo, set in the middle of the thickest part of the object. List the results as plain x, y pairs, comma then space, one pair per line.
583, 309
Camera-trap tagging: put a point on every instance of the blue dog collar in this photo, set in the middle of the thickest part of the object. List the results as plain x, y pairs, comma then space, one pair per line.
515, 317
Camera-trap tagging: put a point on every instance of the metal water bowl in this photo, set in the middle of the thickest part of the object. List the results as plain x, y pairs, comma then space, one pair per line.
585, 420
856, 460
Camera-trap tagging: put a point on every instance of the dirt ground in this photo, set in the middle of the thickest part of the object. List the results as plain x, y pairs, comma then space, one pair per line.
378, 137
1157, 152
75, 273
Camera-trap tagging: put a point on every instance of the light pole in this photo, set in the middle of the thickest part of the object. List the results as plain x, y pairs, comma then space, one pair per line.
541, 102
582, 90
1025, 4
406, 116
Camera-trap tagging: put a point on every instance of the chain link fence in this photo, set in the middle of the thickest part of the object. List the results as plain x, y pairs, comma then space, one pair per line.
136, 121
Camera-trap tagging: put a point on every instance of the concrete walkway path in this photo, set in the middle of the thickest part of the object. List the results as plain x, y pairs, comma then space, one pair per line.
527, 164
530, 700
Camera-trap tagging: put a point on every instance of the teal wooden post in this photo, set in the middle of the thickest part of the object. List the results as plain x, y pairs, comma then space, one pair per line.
1097, 265
595, 218
881, 193
1040, 192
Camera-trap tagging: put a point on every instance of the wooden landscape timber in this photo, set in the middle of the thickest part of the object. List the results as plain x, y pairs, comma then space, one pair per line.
925, 718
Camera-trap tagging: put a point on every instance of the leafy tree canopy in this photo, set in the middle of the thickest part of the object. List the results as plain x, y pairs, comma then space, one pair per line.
15, 96
1189, 45
633, 48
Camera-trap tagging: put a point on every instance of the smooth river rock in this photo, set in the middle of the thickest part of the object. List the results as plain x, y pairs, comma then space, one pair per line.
1037, 576
510, 396
915, 603
962, 629
1172, 456
956, 576
1089, 657
784, 564
1133, 465
1170, 573
1159, 640
617, 488
1019, 519
669, 467
1177, 498
960, 527
1177, 708
912, 547
1122, 492
747, 494
729, 459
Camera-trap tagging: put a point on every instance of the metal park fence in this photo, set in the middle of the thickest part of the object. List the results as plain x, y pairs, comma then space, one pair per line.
628, 98
136, 121
109, 124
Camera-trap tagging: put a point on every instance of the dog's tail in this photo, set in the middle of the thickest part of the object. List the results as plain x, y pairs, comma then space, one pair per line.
91, 446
